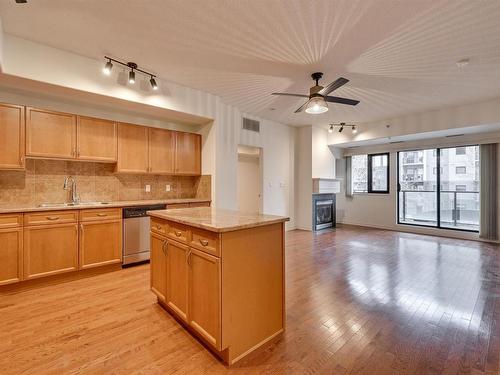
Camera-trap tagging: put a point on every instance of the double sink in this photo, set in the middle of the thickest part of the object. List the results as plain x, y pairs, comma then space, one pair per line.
55, 205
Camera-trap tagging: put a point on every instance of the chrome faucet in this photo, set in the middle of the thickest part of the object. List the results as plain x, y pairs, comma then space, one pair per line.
74, 195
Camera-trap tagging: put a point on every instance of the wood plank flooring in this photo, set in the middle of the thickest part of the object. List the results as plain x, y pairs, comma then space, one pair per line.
359, 301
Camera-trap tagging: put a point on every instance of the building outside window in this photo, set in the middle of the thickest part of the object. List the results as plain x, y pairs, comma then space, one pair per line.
460, 170
370, 173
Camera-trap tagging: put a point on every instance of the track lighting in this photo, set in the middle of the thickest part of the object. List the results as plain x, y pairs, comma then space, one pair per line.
131, 77
153, 83
107, 68
341, 127
131, 74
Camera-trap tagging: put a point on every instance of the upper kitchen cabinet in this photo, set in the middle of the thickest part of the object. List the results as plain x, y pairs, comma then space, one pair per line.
11, 136
187, 154
97, 139
161, 151
133, 149
50, 134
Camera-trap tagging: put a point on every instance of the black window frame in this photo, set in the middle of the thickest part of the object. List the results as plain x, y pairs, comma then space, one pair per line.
438, 190
370, 173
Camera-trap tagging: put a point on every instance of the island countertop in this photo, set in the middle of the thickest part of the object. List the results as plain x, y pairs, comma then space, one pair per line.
216, 220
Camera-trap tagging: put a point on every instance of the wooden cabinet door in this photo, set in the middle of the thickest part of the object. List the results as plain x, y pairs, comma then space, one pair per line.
158, 266
187, 153
97, 139
100, 243
49, 250
204, 296
11, 136
11, 255
177, 278
132, 149
161, 151
50, 134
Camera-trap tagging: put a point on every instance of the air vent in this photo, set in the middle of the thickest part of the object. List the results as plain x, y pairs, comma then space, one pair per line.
454, 135
251, 125
394, 142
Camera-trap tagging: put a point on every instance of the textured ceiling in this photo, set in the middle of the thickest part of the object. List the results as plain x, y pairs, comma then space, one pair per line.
399, 55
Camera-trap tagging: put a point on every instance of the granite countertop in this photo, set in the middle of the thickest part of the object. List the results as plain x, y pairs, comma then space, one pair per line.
216, 220
20, 208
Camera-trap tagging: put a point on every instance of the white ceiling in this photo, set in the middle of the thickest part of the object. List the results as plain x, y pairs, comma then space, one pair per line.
399, 55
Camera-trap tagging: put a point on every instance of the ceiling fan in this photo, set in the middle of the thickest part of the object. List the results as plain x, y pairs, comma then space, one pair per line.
318, 96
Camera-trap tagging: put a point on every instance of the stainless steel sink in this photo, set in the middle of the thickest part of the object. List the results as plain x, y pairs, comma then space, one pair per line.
50, 205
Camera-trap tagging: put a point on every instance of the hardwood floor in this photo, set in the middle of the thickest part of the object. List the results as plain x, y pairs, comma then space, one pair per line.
359, 301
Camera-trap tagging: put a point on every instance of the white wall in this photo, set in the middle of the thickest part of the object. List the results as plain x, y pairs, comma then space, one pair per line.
303, 202
323, 161
37, 62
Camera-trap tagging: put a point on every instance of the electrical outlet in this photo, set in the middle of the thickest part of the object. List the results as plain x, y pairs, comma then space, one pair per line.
148, 188
167, 188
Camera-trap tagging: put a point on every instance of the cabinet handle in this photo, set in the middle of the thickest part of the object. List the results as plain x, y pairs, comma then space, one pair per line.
81, 228
52, 218
164, 247
158, 227
78, 153
204, 242
102, 215
178, 234
189, 257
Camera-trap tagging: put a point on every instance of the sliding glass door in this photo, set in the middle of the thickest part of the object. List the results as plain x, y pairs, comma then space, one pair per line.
439, 187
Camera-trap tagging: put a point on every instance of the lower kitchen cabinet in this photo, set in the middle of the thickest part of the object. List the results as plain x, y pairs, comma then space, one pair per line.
177, 278
50, 249
11, 255
159, 266
204, 295
100, 243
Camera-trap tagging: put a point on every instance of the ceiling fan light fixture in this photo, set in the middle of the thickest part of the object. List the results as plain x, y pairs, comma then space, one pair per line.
316, 105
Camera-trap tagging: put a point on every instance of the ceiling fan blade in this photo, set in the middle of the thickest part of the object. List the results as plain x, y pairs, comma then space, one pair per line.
301, 107
336, 99
284, 93
333, 86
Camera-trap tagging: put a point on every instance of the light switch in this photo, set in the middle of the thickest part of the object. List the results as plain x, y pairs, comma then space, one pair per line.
167, 187
148, 188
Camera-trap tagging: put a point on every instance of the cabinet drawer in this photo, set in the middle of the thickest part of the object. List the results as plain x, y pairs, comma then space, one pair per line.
50, 217
178, 232
97, 214
177, 205
11, 220
159, 226
205, 241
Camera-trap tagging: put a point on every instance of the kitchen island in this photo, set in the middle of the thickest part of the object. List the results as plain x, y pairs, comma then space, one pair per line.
221, 274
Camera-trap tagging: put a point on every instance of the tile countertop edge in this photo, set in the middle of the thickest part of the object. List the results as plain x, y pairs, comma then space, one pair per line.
269, 220
116, 204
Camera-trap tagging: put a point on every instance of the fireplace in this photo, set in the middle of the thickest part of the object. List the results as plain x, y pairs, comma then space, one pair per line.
323, 211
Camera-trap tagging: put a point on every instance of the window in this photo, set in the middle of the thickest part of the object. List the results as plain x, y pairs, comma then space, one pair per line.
370, 173
443, 194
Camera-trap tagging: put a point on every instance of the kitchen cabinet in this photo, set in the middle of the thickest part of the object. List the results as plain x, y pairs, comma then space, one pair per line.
199, 204
50, 250
187, 154
204, 295
50, 134
12, 137
11, 249
159, 266
100, 243
177, 278
97, 139
133, 149
161, 151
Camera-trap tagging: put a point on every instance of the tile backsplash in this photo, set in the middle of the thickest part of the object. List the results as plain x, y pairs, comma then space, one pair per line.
42, 182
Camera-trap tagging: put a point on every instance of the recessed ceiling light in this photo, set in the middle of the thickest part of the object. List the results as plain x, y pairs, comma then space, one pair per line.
462, 63
272, 109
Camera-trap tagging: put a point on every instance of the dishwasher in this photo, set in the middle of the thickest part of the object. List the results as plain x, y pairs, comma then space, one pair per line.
136, 237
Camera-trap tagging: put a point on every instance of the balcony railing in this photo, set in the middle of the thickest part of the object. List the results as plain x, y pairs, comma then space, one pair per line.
458, 209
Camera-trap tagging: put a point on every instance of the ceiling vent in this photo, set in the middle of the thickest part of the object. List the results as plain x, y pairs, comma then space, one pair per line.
454, 135
251, 125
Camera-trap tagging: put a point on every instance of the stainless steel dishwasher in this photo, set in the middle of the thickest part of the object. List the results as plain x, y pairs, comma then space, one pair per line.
136, 241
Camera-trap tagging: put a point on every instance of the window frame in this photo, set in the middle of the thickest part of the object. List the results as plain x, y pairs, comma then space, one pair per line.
438, 190
370, 173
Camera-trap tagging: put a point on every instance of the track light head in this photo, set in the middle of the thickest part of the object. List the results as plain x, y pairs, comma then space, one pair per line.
153, 83
354, 130
107, 68
330, 129
341, 128
131, 77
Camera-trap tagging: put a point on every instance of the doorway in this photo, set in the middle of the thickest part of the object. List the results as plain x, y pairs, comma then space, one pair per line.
249, 179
